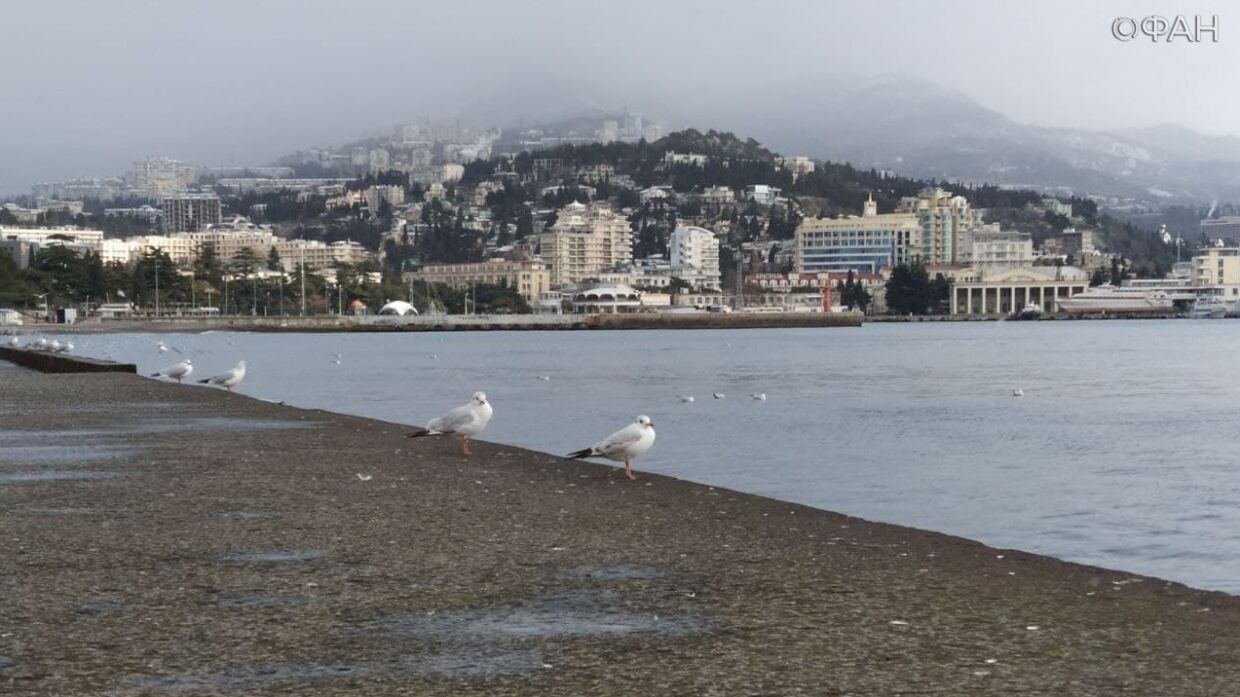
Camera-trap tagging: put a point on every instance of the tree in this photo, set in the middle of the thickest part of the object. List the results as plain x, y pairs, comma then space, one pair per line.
1117, 272
273, 260
909, 290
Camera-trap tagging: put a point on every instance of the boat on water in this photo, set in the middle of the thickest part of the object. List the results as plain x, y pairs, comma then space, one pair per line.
1208, 307
1115, 300
1029, 311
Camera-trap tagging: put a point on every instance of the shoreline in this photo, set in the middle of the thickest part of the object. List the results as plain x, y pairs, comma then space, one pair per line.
529, 553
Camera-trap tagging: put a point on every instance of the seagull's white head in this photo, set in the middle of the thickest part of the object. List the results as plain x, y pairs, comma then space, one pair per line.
188, 362
480, 398
645, 421
241, 364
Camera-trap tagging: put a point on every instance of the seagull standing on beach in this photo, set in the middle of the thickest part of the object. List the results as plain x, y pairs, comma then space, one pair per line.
228, 378
464, 421
177, 372
623, 445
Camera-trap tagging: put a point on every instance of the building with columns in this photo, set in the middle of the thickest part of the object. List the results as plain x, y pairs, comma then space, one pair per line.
1004, 292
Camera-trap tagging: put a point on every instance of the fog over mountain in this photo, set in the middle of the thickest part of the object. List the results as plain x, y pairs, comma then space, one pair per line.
1037, 94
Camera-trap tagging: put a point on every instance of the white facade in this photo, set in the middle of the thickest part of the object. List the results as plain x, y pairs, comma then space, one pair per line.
762, 194
988, 247
696, 249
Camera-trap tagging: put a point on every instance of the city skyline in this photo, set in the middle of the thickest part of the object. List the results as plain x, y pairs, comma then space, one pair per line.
263, 80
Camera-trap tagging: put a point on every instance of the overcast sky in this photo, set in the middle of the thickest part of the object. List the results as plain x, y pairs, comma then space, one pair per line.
89, 85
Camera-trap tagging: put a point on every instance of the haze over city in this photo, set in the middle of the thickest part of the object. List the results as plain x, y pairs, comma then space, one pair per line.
93, 86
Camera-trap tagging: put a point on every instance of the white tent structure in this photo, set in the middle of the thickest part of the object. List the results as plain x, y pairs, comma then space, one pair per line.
399, 308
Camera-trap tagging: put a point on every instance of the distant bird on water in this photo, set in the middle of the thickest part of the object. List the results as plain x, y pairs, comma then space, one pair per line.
1018, 392
229, 378
161, 347
464, 421
687, 399
177, 372
719, 395
623, 445
758, 396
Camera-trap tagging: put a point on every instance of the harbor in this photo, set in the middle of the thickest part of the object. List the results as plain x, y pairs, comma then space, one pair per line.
169, 540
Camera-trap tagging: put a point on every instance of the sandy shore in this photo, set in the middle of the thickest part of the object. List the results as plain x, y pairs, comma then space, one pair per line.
174, 540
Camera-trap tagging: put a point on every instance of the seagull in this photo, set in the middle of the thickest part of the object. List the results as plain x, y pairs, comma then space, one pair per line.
545, 378
1018, 392
464, 421
719, 395
161, 347
39, 344
687, 399
13, 342
58, 347
758, 396
623, 445
228, 378
177, 372
55, 346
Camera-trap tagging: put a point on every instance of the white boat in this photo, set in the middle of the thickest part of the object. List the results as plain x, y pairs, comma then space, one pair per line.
1029, 311
1108, 299
1208, 307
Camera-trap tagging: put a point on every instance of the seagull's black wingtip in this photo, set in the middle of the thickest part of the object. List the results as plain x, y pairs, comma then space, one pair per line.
579, 455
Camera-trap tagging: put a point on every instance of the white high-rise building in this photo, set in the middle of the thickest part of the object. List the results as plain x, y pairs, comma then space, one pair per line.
695, 250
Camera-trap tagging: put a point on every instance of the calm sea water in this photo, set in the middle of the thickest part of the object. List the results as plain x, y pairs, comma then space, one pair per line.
1122, 453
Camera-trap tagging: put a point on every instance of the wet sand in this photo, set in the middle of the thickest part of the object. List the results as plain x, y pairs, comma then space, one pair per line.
160, 539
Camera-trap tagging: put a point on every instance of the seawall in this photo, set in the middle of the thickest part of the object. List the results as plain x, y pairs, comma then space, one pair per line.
165, 539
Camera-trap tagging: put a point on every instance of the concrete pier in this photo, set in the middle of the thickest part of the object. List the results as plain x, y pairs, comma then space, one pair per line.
160, 539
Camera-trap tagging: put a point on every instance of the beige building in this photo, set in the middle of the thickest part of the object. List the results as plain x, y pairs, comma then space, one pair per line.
944, 219
530, 278
977, 292
584, 242
861, 244
988, 247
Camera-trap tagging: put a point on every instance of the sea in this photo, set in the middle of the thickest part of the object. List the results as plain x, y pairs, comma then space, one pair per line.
1122, 451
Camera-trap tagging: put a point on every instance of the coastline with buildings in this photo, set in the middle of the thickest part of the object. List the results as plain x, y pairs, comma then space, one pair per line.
429, 220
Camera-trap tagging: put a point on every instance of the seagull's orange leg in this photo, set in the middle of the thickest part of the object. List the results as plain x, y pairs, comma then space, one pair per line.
465, 446
628, 469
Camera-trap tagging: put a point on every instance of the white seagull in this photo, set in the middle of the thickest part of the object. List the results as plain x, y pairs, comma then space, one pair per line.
177, 372
623, 445
161, 347
719, 395
758, 396
1018, 392
687, 399
228, 378
13, 342
464, 421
